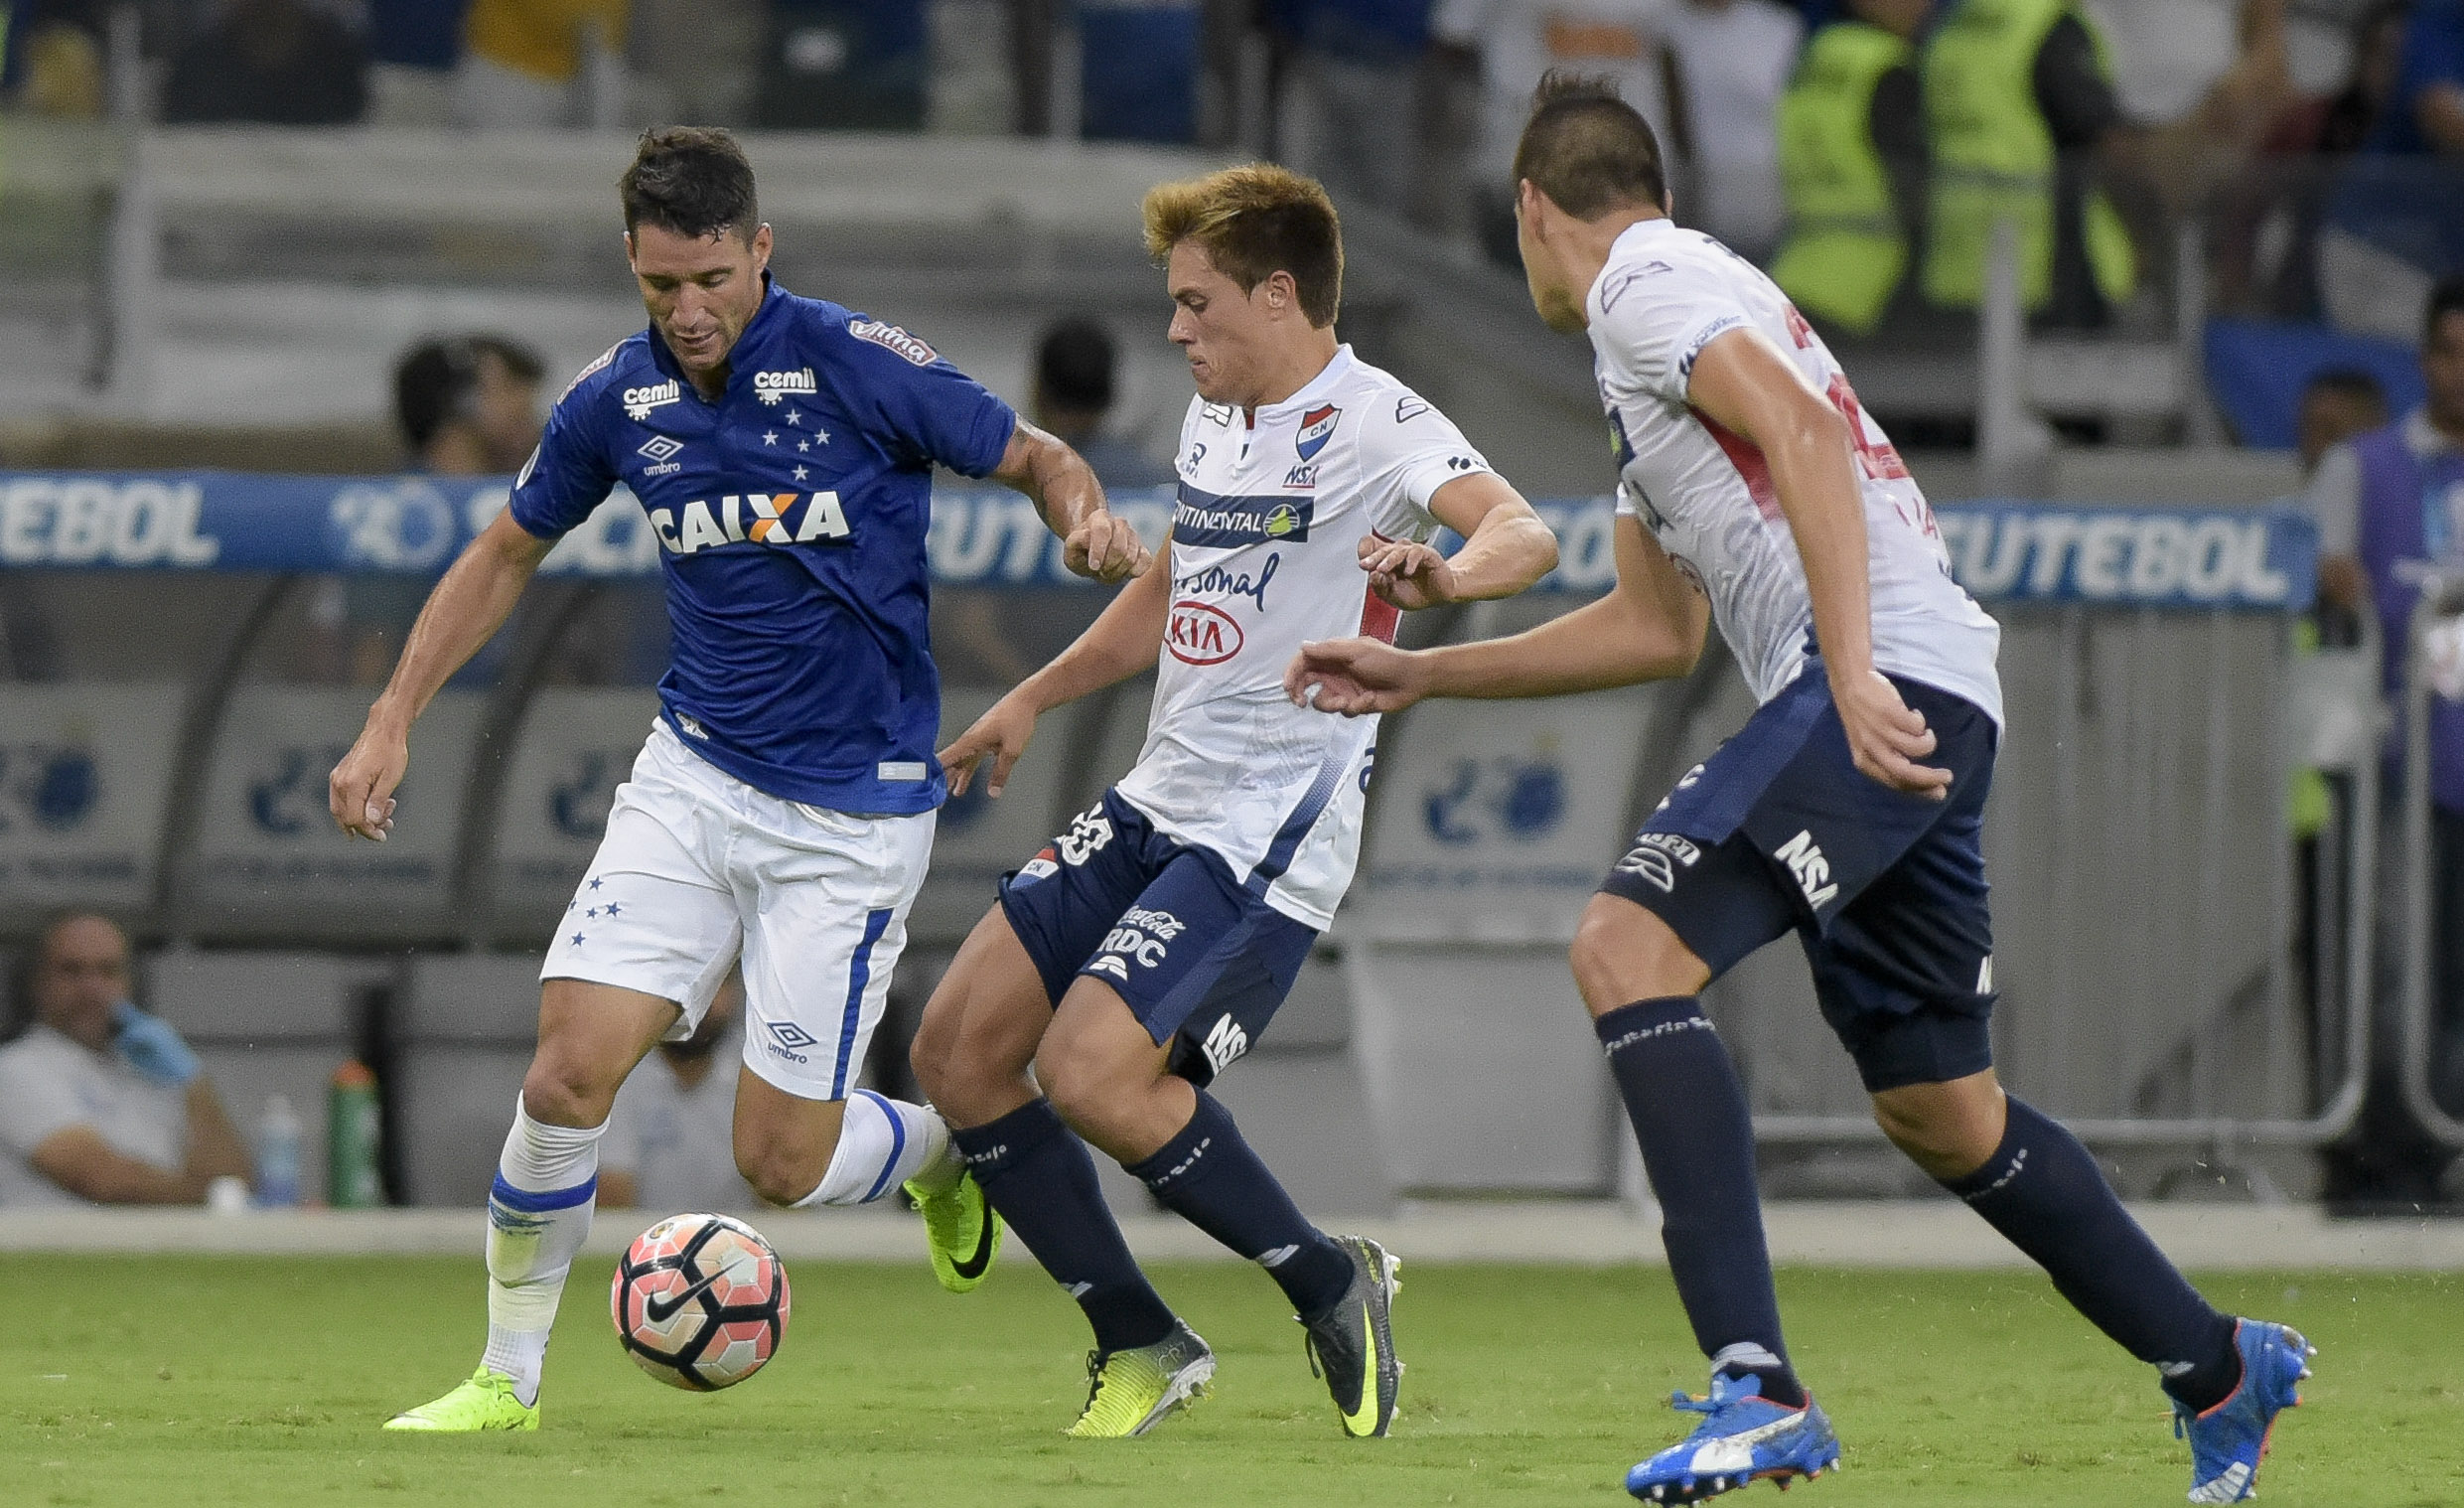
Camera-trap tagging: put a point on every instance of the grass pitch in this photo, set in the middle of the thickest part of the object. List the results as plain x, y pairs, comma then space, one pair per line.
220, 1381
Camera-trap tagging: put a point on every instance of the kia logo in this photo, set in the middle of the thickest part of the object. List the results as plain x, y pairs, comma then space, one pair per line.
1202, 635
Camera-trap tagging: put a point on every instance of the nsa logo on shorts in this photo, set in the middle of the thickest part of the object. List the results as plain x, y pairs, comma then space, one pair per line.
1223, 1043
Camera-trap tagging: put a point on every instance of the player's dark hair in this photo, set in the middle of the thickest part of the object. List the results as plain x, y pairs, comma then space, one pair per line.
2446, 297
695, 180
1588, 150
2356, 382
1074, 365
1253, 222
437, 381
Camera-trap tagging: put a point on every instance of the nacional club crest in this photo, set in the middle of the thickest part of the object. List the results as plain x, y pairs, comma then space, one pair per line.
1317, 426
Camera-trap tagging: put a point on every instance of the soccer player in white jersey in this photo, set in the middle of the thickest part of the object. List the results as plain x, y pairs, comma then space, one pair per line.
1848, 808
780, 814
1133, 959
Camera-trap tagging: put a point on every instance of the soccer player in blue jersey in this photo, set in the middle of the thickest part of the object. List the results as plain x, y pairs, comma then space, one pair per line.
1850, 809
783, 808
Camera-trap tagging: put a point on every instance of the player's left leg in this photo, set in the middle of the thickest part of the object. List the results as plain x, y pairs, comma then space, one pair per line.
1180, 989
1904, 979
824, 897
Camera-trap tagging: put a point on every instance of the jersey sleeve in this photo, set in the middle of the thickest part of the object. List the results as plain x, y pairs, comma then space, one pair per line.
1407, 451
569, 474
1657, 317
925, 409
35, 1105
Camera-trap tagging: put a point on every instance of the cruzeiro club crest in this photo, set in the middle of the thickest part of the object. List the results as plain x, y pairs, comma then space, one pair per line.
1317, 426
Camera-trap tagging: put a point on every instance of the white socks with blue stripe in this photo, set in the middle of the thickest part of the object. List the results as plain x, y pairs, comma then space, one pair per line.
538, 1211
882, 1143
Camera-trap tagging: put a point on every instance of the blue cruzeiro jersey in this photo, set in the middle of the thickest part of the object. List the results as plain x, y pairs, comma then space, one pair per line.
790, 517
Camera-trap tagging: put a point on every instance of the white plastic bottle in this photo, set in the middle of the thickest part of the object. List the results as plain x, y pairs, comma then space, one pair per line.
278, 1155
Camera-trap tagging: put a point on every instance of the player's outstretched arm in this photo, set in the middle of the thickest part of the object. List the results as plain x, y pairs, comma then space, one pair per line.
1065, 491
1505, 549
466, 608
1748, 384
1123, 640
1650, 627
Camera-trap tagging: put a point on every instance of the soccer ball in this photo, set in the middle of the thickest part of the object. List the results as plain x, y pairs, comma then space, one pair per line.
700, 1301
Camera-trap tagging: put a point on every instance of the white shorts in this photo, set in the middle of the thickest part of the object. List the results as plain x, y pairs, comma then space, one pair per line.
697, 867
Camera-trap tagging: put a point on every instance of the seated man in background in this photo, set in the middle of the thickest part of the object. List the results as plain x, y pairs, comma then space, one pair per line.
671, 1142
468, 405
1073, 391
99, 1102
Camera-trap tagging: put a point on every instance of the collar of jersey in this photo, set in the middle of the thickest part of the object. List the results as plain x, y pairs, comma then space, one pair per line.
1337, 368
1629, 242
739, 355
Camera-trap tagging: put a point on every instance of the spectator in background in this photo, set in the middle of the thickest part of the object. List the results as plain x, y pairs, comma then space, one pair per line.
2397, 223
520, 59
671, 1142
2386, 501
1508, 45
268, 62
1852, 154
1352, 110
2338, 403
1733, 59
52, 64
467, 406
1075, 388
99, 1102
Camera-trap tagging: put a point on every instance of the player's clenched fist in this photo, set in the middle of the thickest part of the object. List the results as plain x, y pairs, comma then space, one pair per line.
361, 789
1106, 548
1355, 676
1407, 575
1001, 735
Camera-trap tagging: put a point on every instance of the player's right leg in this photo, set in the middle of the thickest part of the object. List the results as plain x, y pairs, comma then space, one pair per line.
539, 1206
649, 935
973, 1054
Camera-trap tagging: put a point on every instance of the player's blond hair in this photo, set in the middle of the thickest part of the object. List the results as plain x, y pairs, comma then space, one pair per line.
1252, 222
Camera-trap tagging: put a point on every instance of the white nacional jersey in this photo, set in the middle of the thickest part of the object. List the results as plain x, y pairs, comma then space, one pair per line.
1265, 555
1706, 495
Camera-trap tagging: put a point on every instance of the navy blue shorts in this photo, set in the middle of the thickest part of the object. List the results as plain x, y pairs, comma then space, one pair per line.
1780, 832
1201, 963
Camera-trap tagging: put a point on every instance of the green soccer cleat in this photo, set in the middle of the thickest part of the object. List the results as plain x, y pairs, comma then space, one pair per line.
960, 1229
1131, 1392
485, 1402
1351, 1345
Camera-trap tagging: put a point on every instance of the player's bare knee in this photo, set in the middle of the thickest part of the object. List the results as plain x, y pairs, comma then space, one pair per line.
1947, 1129
562, 1089
781, 1170
1623, 952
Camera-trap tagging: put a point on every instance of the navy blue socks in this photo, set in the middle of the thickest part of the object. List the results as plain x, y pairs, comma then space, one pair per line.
1210, 1178
2044, 1192
1041, 1179
1697, 1137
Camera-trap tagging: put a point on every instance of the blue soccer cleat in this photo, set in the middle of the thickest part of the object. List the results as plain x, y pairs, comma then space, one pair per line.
2228, 1441
1743, 1439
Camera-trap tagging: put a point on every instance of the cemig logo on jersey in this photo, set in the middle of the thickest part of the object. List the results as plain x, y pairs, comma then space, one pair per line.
1200, 633
1317, 426
638, 402
769, 386
773, 519
891, 336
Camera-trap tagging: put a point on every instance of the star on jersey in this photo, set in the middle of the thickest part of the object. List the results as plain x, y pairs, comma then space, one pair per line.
577, 940
794, 417
802, 446
770, 437
799, 473
595, 882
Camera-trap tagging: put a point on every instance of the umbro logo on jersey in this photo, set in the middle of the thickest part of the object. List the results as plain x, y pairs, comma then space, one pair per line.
774, 518
891, 337
769, 386
662, 452
1317, 426
638, 402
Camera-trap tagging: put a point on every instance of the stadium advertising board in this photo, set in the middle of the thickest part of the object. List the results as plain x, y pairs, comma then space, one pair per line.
84, 778
2263, 557
577, 745
267, 846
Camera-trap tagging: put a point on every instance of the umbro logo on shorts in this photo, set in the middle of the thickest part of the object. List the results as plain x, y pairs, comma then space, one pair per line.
789, 1040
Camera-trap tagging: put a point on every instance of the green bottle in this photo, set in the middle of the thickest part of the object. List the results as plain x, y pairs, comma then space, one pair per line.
352, 1182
